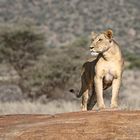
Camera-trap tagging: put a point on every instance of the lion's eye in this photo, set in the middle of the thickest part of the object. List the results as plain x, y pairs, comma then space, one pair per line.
92, 40
100, 39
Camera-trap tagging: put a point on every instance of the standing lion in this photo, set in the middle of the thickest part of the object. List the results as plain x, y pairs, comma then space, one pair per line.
102, 72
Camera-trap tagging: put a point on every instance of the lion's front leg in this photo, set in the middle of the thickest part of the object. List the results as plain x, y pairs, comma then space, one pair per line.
99, 92
115, 92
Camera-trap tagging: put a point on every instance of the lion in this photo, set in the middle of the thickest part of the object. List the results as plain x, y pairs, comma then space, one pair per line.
101, 72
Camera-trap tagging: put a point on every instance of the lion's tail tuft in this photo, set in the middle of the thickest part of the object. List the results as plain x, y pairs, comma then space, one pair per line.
75, 92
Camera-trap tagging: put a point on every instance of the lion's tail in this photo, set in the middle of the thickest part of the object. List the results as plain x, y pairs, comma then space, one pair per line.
79, 94
92, 101
76, 92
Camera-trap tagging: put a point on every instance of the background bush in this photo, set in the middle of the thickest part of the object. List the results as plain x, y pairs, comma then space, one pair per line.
20, 46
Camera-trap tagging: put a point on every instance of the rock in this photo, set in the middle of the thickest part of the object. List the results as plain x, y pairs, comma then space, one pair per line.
89, 125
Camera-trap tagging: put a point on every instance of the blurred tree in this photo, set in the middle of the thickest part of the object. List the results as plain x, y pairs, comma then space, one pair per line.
20, 46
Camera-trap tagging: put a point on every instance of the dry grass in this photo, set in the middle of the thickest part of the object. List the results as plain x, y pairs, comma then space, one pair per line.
129, 100
26, 107
59, 106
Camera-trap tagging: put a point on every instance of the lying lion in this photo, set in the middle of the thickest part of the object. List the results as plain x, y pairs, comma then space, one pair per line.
100, 73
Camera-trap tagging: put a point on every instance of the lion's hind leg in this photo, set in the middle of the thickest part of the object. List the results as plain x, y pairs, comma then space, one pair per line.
85, 100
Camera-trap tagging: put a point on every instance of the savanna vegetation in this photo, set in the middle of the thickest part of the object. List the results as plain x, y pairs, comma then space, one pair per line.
43, 45
43, 69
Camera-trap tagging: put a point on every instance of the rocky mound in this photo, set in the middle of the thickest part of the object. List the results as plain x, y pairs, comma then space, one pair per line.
77, 125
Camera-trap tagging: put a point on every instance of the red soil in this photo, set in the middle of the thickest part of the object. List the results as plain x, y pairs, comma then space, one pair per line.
91, 125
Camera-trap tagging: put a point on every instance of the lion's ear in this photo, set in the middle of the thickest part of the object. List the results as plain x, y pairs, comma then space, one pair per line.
109, 34
93, 34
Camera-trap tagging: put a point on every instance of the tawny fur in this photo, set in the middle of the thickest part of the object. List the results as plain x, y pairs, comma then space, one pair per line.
100, 73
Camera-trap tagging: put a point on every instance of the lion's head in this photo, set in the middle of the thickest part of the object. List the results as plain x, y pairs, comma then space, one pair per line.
100, 42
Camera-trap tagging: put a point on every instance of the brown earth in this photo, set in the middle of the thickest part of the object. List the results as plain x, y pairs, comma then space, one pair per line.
91, 125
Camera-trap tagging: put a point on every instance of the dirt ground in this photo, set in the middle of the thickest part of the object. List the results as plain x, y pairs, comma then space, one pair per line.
91, 125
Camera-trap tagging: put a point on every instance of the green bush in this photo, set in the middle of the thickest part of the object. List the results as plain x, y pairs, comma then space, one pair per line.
21, 45
133, 59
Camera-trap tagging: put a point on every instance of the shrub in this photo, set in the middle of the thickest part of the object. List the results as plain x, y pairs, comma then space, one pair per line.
20, 45
133, 59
